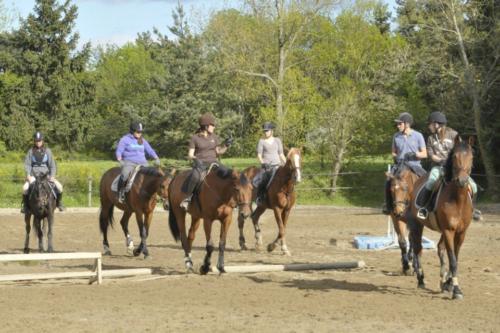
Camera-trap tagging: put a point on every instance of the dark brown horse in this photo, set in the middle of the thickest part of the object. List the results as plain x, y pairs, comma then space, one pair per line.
42, 203
220, 192
280, 198
402, 180
452, 217
141, 200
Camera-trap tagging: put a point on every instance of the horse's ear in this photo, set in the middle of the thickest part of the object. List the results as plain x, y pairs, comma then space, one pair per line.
458, 139
172, 172
472, 140
389, 175
235, 174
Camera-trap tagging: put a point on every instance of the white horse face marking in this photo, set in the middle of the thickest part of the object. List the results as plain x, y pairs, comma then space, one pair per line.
296, 162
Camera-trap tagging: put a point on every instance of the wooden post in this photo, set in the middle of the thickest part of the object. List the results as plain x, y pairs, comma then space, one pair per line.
90, 191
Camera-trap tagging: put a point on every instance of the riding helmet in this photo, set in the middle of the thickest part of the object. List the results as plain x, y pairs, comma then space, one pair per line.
404, 117
38, 136
206, 119
136, 126
437, 117
267, 126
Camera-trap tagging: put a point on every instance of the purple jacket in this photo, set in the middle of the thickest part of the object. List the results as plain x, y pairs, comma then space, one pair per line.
129, 150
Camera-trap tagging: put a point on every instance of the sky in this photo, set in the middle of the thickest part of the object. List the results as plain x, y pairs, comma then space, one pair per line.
119, 21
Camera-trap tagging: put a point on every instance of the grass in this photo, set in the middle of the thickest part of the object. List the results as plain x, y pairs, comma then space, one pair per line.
362, 189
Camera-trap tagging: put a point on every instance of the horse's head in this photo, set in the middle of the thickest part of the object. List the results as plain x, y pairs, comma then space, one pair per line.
401, 187
41, 193
242, 193
165, 181
461, 161
293, 160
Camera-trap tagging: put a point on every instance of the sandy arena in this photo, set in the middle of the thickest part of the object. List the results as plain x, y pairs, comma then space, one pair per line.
376, 298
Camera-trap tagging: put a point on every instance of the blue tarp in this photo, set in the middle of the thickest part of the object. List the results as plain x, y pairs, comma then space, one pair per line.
377, 242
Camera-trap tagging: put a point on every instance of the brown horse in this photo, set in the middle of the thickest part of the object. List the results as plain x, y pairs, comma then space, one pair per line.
280, 198
402, 181
141, 200
452, 217
220, 192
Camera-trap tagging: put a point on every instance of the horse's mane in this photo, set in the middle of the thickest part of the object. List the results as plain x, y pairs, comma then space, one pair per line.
224, 173
151, 171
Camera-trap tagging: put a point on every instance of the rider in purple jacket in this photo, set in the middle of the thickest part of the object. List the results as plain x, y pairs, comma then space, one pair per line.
131, 151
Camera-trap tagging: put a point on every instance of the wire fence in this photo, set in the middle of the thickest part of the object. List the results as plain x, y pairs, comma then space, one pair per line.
84, 190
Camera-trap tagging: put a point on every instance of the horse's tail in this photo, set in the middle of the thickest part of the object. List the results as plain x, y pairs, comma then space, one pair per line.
172, 222
106, 218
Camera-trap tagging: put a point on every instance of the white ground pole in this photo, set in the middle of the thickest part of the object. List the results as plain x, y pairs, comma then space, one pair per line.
94, 275
292, 267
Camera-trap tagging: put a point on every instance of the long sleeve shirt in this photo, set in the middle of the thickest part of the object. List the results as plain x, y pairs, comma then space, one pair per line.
130, 150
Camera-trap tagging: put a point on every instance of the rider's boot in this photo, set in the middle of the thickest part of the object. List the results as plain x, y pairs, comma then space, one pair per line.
25, 205
121, 190
387, 208
422, 201
59, 203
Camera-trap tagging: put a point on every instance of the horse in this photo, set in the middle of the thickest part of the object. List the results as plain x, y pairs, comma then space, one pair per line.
41, 204
219, 193
402, 180
280, 198
149, 183
452, 217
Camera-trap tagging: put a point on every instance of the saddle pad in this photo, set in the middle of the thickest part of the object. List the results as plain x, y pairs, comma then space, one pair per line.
130, 181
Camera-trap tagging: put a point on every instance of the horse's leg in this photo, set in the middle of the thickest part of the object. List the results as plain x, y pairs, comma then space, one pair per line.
281, 230
105, 216
226, 222
416, 230
207, 225
180, 217
255, 220
148, 216
241, 224
129, 243
142, 230
39, 231
50, 221
27, 222
452, 238
400, 228
445, 283
284, 217
195, 224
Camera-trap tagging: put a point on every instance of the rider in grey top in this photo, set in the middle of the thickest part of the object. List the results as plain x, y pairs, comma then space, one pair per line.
38, 162
270, 155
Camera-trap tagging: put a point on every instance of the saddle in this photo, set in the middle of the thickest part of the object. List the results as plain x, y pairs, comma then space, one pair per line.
264, 177
129, 182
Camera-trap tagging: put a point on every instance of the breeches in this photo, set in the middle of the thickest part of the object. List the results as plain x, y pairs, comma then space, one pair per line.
437, 172
56, 183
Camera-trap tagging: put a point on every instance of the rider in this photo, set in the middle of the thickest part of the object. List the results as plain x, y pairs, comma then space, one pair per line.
270, 155
439, 145
204, 149
408, 145
131, 152
39, 161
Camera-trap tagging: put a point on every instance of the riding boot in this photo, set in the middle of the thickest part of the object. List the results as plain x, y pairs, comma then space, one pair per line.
185, 203
121, 190
25, 204
388, 207
422, 201
59, 203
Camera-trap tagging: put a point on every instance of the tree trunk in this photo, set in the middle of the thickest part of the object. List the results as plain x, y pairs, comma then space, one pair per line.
476, 107
336, 165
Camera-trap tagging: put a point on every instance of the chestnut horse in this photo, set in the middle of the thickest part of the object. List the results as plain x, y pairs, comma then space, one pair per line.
452, 217
402, 181
41, 204
280, 198
141, 200
219, 193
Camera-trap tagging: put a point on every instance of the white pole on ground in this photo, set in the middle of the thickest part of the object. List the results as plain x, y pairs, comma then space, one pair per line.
292, 267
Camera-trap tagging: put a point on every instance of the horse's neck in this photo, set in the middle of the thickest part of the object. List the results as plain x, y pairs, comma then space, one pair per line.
283, 177
219, 187
150, 184
458, 194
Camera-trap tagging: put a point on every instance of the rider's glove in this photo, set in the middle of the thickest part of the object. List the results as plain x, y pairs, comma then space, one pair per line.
157, 162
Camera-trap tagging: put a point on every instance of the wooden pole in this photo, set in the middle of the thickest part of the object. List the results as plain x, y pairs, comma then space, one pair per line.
291, 267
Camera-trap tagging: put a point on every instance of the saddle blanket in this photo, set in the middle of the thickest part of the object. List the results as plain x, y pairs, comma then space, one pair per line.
130, 181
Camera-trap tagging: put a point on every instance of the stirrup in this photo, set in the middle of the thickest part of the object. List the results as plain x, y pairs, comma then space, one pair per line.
422, 213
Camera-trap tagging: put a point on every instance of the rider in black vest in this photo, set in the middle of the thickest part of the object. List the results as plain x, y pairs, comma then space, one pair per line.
39, 161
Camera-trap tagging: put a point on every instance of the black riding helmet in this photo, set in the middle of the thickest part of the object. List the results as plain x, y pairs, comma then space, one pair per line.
437, 117
136, 126
267, 126
38, 136
404, 117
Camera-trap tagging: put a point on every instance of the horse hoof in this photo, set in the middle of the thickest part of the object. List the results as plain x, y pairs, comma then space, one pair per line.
287, 253
407, 272
204, 270
136, 252
258, 247
458, 296
421, 285
221, 269
243, 247
106, 252
130, 251
148, 257
270, 247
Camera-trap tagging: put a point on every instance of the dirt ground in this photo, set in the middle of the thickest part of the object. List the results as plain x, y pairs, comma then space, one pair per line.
377, 297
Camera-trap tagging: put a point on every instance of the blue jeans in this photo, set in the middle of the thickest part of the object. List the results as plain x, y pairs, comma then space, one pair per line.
437, 172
